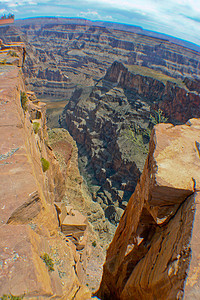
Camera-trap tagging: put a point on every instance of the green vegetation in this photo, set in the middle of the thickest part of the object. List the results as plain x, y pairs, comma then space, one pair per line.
45, 164
135, 136
3, 61
158, 117
36, 127
94, 244
12, 53
145, 71
11, 297
140, 136
24, 101
48, 261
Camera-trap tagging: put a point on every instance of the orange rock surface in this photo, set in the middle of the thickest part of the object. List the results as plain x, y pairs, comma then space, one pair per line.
154, 253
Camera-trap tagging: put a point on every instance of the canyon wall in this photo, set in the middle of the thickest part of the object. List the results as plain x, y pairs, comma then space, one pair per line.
37, 260
178, 99
111, 123
62, 56
155, 251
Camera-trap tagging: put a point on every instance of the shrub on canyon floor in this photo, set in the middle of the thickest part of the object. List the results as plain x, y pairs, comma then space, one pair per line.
11, 297
45, 164
48, 261
24, 101
135, 136
12, 53
36, 127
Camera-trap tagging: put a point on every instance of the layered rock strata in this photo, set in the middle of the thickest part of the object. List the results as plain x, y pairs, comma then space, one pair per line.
62, 56
37, 261
178, 99
155, 251
97, 121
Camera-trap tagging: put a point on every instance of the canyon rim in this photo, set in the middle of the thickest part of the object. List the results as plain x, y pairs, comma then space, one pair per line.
84, 170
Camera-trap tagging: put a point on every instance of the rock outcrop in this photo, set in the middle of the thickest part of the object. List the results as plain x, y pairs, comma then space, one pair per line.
155, 250
178, 99
100, 232
37, 261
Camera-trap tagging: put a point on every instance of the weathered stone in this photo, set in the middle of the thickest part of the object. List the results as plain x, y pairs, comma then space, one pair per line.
154, 253
22, 269
28, 221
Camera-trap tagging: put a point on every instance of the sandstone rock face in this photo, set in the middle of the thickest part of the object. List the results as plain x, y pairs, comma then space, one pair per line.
30, 183
154, 253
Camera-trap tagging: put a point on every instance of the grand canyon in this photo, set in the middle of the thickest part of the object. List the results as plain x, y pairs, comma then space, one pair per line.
89, 176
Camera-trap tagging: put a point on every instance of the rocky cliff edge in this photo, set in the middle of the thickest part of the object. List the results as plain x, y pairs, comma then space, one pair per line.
155, 251
37, 261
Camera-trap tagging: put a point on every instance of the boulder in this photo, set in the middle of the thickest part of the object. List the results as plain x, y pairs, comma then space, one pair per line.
154, 253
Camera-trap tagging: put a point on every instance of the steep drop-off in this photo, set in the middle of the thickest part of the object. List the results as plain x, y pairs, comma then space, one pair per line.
111, 123
155, 250
37, 260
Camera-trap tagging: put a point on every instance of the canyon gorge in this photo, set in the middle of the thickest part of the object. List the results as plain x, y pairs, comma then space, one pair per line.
97, 163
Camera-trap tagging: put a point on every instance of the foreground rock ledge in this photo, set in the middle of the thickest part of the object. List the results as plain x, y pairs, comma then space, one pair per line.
155, 251
29, 227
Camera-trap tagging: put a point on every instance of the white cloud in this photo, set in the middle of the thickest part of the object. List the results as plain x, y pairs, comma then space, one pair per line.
2, 11
90, 14
12, 4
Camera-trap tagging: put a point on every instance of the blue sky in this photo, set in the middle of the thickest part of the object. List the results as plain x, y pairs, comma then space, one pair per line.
179, 18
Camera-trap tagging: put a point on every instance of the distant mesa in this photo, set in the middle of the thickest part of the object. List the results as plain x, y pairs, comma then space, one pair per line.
9, 19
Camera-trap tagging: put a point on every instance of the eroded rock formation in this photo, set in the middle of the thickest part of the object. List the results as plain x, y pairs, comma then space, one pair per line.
31, 181
155, 250
102, 118
178, 99
62, 56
